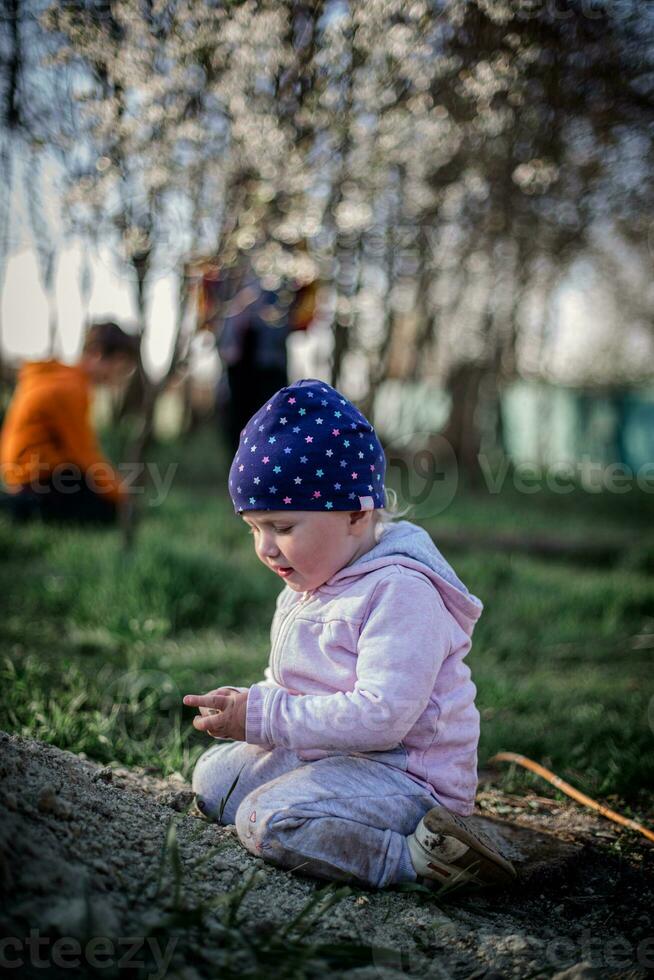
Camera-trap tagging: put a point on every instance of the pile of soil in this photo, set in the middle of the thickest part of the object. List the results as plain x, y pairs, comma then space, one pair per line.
112, 872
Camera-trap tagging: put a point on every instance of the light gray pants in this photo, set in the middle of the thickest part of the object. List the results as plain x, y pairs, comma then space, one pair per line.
343, 817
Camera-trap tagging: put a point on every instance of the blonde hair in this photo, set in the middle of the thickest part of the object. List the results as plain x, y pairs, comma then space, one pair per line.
390, 512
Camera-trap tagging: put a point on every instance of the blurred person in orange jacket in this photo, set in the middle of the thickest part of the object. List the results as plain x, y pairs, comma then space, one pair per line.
50, 459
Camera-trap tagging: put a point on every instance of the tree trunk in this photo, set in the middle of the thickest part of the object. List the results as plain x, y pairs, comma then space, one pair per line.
379, 364
349, 261
141, 395
462, 430
150, 392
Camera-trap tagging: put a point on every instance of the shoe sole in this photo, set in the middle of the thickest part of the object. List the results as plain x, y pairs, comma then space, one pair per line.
486, 866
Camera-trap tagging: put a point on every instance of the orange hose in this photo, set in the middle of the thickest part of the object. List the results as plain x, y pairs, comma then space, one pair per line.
569, 790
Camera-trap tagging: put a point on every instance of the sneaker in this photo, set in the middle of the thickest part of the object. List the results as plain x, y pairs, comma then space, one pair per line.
445, 848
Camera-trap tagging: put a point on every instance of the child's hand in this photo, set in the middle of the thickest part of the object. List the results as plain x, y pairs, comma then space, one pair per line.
217, 690
228, 721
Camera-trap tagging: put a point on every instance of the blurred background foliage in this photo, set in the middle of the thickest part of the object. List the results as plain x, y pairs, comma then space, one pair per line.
460, 176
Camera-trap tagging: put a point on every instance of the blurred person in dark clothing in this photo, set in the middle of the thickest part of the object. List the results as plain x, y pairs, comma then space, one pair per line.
252, 346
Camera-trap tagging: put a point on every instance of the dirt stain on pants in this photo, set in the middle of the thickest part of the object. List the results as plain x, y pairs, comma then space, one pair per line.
343, 817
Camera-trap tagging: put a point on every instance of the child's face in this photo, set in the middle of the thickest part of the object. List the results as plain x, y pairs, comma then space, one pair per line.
314, 545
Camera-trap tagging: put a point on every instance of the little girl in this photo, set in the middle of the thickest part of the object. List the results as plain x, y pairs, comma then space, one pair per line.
356, 757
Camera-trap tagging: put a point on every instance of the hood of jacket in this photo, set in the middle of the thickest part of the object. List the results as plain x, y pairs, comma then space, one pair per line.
404, 543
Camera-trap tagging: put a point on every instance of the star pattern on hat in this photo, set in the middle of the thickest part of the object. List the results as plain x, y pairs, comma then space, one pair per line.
295, 422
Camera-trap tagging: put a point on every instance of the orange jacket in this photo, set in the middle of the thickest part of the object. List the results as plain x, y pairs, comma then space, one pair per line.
47, 424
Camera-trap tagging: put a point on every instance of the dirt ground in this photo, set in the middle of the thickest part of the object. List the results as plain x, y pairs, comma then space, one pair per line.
111, 872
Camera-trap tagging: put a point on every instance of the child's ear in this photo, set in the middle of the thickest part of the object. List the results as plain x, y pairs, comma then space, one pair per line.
359, 517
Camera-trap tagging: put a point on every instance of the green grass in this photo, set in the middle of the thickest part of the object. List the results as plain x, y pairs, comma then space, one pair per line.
245, 948
97, 647
562, 663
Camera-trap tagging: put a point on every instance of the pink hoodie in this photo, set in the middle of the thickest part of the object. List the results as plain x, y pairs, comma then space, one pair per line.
373, 662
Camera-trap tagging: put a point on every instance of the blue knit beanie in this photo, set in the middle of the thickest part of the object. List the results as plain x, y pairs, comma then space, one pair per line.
308, 448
